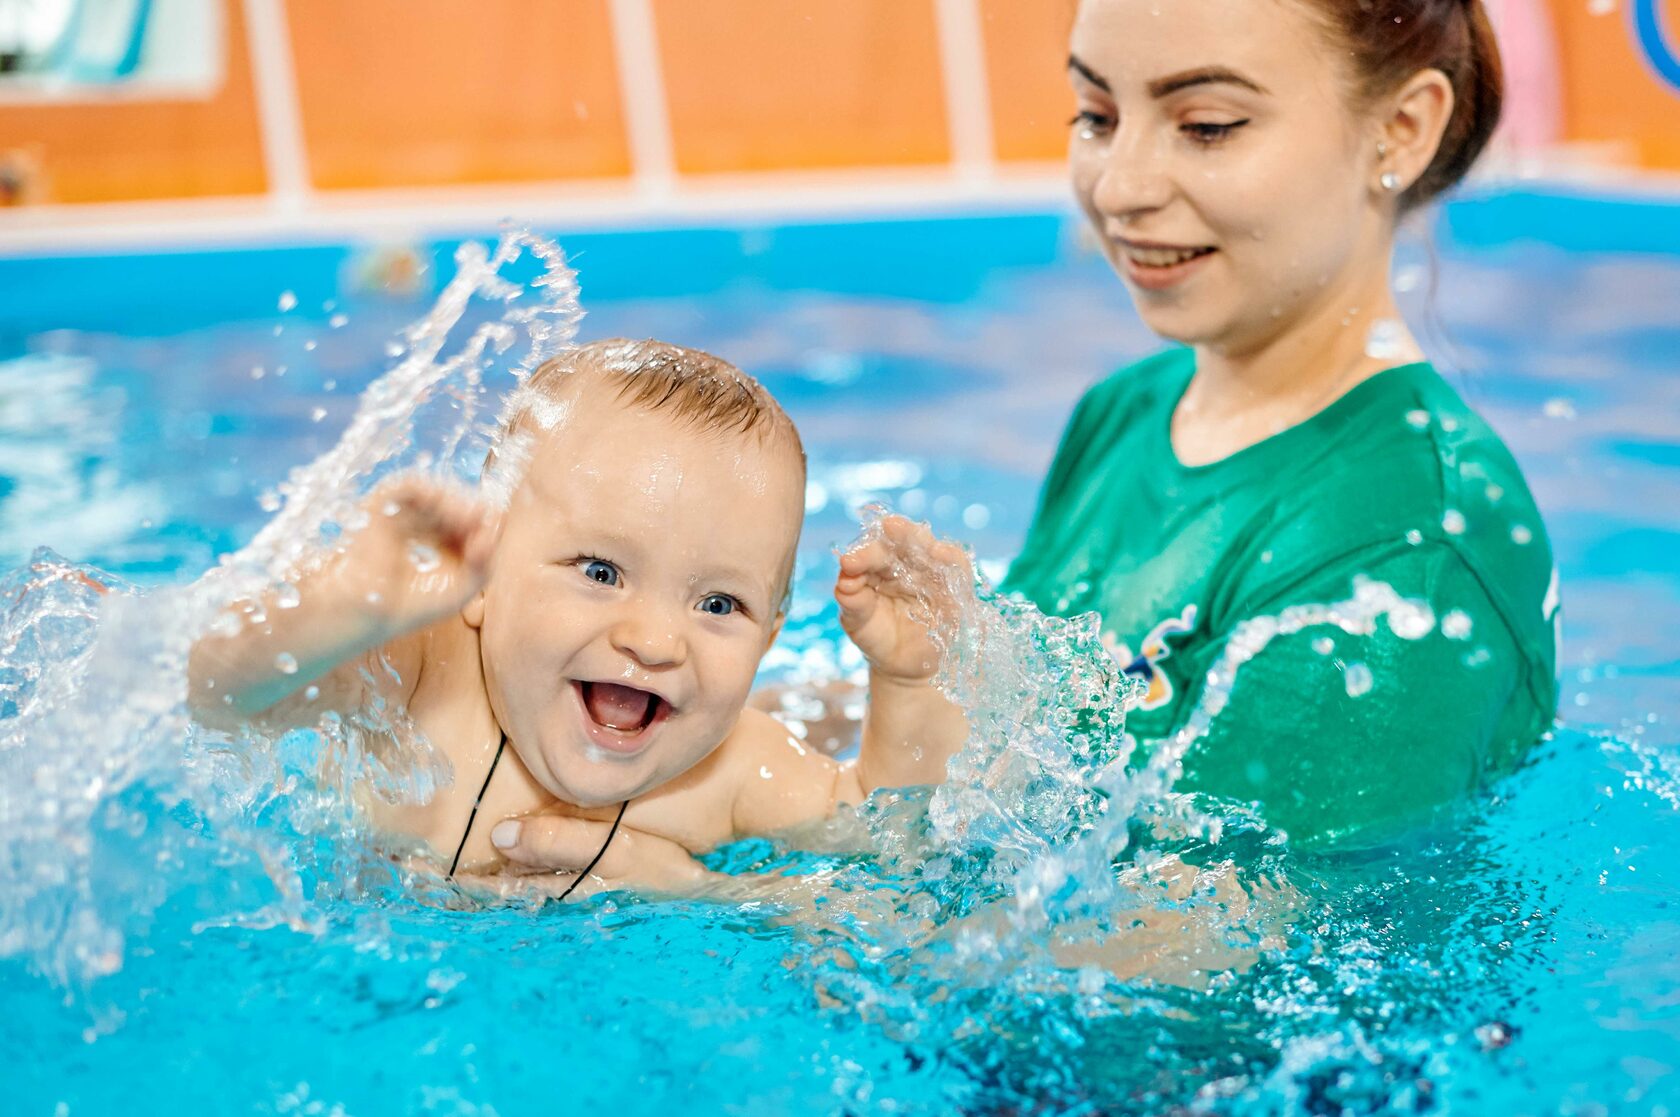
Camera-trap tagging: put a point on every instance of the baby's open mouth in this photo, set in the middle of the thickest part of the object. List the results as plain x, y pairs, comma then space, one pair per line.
623, 709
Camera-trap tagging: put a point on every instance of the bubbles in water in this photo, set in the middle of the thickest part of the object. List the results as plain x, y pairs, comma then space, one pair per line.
1417, 419
316, 414
1357, 679
1521, 535
338, 321
1558, 408
269, 501
1452, 522
1456, 625
286, 596
1601, 7
1323, 645
287, 301
286, 663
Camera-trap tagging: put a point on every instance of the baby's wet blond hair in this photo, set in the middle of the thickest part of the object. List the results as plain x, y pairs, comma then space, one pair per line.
689, 386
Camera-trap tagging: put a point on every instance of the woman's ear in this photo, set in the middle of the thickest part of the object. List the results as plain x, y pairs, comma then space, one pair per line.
1411, 130
473, 611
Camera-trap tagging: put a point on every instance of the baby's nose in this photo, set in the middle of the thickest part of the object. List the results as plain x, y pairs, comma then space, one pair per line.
650, 638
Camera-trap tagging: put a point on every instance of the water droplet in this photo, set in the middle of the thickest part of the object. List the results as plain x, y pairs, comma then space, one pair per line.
1386, 339
287, 301
278, 330
1478, 658
257, 372
1558, 408
1409, 278
1418, 419
1601, 7
269, 501
328, 385
309, 346
316, 414
390, 508
286, 663
1521, 536
1495, 493
423, 558
976, 516
1452, 522
1265, 556
339, 321
393, 349
1414, 537
286, 596
1456, 625
311, 693
764, 772
1411, 620
1357, 679
1324, 645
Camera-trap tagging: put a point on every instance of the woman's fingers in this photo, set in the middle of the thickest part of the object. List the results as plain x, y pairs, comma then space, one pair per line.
546, 844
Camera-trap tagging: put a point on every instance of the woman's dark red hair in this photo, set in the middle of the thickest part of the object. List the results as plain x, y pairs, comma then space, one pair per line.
1388, 41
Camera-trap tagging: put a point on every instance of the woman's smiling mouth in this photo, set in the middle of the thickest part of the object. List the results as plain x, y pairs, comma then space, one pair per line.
1156, 267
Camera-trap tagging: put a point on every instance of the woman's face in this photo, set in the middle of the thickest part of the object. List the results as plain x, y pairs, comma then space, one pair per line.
1219, 163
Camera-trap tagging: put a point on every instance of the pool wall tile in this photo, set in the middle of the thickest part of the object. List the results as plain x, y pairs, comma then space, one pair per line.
432, 92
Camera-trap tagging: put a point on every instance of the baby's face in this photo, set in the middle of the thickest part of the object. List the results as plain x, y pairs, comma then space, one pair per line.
637, 584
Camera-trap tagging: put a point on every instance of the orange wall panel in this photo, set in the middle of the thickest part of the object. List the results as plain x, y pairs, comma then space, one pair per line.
1611, 93
1026, 72
133, 150
434, 92
787, 84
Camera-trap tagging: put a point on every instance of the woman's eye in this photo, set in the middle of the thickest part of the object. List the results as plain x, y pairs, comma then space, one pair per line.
718, 604
1091, 122
1206, 132
598, 571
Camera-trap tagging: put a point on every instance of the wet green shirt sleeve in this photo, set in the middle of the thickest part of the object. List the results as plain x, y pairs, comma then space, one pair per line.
1346, 739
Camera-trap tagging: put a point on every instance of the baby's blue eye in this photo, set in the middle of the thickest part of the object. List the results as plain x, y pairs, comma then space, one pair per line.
598, 571
718, 604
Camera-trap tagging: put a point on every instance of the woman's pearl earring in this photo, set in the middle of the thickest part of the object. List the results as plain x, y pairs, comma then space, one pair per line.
1390, 181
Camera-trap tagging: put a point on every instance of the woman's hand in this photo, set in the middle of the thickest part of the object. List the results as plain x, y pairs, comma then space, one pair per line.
899, 590
545, 854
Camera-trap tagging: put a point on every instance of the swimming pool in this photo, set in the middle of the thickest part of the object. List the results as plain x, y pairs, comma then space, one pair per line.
148, 402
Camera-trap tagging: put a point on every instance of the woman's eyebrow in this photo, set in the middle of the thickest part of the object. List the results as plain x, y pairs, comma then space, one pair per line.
1206, 75
1087, 73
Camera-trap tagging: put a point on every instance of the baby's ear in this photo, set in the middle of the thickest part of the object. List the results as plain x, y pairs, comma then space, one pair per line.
473, 611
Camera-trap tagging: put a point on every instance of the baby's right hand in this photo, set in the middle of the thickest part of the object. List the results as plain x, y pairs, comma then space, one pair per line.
426, 549
895, 590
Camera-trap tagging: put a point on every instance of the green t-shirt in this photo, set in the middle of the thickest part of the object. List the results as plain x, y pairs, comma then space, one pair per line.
1342, 740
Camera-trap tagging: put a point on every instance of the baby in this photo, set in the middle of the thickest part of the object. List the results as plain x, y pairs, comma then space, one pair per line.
589, 650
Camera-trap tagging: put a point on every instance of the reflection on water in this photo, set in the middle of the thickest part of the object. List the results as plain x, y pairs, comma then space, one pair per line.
968, 959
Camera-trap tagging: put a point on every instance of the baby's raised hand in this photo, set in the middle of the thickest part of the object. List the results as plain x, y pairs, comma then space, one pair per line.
899, 590
424, 551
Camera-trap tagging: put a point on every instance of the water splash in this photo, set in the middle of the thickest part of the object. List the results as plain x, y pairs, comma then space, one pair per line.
94, 730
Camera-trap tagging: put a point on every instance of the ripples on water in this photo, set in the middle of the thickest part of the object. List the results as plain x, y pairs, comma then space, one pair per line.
199, 917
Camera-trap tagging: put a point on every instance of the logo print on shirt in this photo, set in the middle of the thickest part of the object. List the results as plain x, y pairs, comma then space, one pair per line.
1153, 651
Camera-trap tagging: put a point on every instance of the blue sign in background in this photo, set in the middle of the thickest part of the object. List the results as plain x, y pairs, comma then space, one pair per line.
1647, 26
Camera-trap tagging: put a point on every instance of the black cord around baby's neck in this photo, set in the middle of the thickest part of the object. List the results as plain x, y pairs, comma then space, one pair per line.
455, 861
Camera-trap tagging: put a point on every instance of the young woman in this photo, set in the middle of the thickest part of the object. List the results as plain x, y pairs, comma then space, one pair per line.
1244, 164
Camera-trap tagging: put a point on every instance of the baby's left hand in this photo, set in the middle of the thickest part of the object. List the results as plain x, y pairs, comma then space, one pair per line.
895, 589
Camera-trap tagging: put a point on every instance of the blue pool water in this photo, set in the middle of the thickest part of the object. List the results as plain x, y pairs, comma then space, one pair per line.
1527, 964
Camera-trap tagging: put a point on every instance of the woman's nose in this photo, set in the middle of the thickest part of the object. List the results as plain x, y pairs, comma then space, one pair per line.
649, 635
1132, 176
